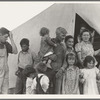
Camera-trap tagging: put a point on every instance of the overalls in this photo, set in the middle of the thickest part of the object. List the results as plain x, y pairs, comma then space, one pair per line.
4, 72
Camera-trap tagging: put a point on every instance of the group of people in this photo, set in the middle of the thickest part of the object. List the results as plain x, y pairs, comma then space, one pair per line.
58, 68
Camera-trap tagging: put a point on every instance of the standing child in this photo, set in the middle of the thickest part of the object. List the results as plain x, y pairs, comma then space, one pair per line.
90, 72
46, 43
25, 57
70, 76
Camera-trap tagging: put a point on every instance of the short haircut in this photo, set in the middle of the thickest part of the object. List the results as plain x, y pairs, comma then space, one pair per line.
68, 37
44, 31
71, 54
88, 59
4, 31
28, 70
61, 30
86, 30
41, 67
24, 41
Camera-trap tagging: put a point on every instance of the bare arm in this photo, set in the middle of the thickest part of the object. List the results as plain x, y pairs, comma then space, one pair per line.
79, 59
92, 34
48, 40
14, 48
96, 52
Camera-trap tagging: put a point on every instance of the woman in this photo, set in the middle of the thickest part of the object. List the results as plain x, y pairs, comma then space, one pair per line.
85, 48
69, 42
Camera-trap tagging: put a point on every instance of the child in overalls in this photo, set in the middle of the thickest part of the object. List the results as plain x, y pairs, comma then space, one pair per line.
5, 48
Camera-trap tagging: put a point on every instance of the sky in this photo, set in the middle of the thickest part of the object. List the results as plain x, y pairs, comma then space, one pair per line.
13, 14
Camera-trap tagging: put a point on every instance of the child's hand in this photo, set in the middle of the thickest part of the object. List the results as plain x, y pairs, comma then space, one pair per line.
45, 58
81, 75
59, 73
98, 76
55, 45
82, 80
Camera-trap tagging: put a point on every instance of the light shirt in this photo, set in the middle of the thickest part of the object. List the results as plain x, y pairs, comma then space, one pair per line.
26, 58
31, 84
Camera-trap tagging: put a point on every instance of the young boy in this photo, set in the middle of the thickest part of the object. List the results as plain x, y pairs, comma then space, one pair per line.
30, 73
41, 68
25, 57
31, 82
5, 49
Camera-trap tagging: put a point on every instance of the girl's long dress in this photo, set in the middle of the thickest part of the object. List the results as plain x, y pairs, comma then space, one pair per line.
70, 81
90, 85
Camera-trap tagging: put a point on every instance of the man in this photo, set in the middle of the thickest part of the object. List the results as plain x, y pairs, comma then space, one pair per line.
5, 49
58, 58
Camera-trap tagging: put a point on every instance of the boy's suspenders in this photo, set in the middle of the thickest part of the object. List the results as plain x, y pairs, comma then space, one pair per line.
39, 89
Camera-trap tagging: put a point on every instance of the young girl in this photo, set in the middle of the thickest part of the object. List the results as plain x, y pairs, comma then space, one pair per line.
90, 73
46, 43
70, 76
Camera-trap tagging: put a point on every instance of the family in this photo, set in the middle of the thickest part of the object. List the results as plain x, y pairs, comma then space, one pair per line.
60, 67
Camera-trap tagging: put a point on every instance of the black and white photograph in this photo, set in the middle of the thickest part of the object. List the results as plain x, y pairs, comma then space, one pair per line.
50, 48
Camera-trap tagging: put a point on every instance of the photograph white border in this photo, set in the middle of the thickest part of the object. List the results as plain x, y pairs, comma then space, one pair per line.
24, 96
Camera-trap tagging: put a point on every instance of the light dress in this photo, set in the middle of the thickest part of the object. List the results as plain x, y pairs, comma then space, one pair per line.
86, 49
90, 85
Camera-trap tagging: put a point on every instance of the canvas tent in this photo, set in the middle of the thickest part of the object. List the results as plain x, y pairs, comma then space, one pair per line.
57, 15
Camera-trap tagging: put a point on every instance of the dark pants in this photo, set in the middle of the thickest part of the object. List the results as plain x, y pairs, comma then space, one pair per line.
50, 73
81, 87
20, 83
55, 86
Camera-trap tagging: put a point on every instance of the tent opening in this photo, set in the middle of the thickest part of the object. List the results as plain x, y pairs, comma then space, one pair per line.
80, 22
